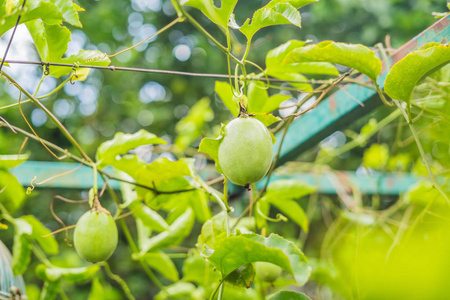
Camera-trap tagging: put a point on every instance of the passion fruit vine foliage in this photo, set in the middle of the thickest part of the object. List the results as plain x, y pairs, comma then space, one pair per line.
237, 256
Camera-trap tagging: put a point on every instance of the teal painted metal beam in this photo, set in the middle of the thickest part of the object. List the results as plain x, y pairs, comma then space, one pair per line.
83, 178
349, 103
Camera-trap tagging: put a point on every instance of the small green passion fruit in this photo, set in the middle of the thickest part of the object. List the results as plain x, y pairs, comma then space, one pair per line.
95, 236
267, 271
246, 151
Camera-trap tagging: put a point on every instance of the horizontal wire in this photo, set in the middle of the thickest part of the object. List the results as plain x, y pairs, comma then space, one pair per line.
156, 71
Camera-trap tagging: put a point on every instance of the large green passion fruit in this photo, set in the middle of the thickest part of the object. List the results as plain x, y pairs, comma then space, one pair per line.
246, 152
95, 236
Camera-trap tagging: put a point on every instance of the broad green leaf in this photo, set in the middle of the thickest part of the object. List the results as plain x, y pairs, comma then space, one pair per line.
13, 194
225, 92
292, 209
50, 290
266, 119
128, 163
198, 200
297, 80
274, 102
69, 11
178, 290
275, 57
354, 56
12, 160
149, 217
219, 16
229, 253
289, 189
96, 292
163, 174
122, 143
198, 270
211, 147
288, 295
242, 276
68, 274
276, 12
21, 246
171, 201
257, 96
176, 233
34, 9
376, 156
405, 74
162, 263
212, 229
49, 243
51, 41
190, 127
83, 57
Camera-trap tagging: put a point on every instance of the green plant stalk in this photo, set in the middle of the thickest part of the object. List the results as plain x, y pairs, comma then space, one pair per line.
51, 115
422, 152
39, 85
117, 279
41, 97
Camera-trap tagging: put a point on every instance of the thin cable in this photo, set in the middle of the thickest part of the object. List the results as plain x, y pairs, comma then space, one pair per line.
157, 71
12, 35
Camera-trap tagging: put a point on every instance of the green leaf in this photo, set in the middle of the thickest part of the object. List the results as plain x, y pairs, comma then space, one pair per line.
34, 9
288, 295
190, 127
83, 57
225, 92
178, 290
12, 194
266, 119
198, 200
176, 233
69, 11
69, 274
21, 246
198, 270
292, 209
163, 174
405, 74
257, 96
229, 253
295, 79
51, 41
48, 244
12, 160
122, 143
422, 193
128, 163
162, 263
275, 57
219, 16
212, 229
376, 156
274, 102
354, 56
50, 290
289, 189
242, 276
211, 147
96, 290
276, 12
149, 217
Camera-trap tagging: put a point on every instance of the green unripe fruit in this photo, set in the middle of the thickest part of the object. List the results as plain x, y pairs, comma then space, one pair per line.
246, 152
267, 271
95, 236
